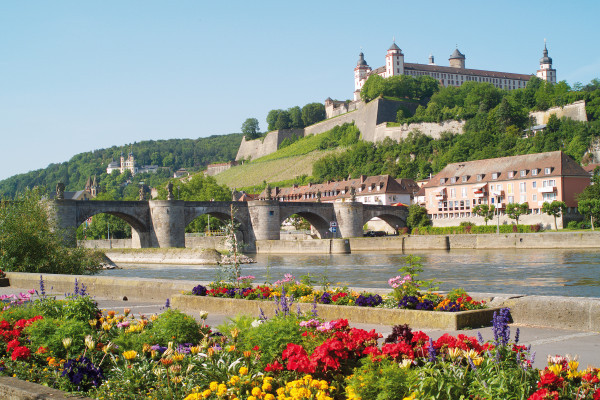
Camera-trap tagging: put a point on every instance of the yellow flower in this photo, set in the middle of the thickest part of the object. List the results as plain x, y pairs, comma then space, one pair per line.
178, 357
556, 369
266, 387
193, 396
243, 371
129, 355
195, 349
251, 398
213, 386
67, 342
269, 396
206, 393
573, 365
256, 391
221, 389
234, 380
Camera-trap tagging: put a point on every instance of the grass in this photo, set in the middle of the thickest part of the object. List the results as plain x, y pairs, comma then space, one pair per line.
275, 169
303, 146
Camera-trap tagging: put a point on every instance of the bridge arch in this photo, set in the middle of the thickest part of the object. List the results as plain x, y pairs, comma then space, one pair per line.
316, 218
134, 213
393, 216
222, 212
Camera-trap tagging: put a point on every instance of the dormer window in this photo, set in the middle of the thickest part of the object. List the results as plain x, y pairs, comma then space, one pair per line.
534, 172
479, 177
548, 170
523, 173
453, 179
465, 178
511, 174
442, 181
495, 175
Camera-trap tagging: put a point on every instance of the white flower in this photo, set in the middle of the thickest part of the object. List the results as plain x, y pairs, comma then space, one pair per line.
256, 323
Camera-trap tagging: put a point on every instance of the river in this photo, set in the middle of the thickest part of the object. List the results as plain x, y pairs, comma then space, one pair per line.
554, 272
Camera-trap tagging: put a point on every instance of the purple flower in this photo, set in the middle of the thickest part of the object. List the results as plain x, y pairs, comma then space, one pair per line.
500, 327
325, 298
199, 290
371, 300
314, 307
431, 351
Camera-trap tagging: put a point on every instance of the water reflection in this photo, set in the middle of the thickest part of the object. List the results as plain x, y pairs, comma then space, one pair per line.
541, 272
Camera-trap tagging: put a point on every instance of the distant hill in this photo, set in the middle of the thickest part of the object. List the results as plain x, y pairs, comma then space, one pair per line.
192, 154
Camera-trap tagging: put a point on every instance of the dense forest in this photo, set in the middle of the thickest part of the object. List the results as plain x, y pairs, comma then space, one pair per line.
172, 154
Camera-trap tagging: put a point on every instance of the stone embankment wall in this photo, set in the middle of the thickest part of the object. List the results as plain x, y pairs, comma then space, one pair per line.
253, 149
105, 244
575, 111
431, 129
165, 256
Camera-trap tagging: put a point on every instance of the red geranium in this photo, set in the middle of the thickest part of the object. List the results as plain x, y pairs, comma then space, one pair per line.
398, 350
550, 380
21, 353
544, 394
12, 345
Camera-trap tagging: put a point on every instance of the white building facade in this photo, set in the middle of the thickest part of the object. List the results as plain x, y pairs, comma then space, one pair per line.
454, 75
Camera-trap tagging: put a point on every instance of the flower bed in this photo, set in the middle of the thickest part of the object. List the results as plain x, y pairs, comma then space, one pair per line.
72, 346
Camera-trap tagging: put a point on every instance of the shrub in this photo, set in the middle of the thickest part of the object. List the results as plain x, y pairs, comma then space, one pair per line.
174, 326
573, 225
50, 332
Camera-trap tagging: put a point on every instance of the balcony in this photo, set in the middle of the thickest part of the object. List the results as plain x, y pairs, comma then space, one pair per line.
497, 193
547, 189
479, 194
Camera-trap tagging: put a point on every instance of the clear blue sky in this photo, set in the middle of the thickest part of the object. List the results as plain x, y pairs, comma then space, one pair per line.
82, 75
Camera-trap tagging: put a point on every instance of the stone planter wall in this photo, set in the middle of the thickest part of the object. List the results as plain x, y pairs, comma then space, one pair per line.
366, 315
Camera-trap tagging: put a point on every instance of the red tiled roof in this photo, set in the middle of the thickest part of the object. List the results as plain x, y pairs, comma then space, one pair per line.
560, 164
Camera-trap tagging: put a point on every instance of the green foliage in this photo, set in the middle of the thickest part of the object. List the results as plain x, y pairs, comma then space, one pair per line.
192, 154
29, 241
174, 326
457, 230
380, 380
554, 209
272, 337
251, 129
485, 210
50, 332
399, 86
589, 208
13, 314
515, 210
79, 308
417, 216
313, 113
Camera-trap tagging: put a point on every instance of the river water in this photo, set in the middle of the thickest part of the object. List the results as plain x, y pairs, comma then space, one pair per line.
553, 272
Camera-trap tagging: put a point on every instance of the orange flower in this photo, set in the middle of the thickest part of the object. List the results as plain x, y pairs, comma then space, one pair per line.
166, 361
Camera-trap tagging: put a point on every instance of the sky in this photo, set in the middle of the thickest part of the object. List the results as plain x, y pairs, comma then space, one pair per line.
76, 76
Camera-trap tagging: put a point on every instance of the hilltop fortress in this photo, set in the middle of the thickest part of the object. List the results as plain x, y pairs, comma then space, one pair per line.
373, 118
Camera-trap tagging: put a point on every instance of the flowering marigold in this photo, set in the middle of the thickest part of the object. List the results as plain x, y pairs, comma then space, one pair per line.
129, 355
243, 371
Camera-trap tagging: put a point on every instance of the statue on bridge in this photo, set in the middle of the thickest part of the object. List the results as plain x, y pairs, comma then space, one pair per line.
318, 196
60, 191
352, 194
142, 194
268, 189
170, 191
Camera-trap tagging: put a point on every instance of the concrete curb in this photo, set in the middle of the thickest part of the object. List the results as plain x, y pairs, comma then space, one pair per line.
16, 389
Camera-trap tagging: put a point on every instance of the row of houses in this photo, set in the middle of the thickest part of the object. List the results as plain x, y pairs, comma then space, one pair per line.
450, 195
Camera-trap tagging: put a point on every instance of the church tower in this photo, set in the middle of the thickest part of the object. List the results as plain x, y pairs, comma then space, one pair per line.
122, 169
361, 71
394, 61
546, 72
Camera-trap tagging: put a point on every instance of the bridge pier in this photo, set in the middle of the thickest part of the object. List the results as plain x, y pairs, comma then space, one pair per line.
349, 216
264, 216
168, 223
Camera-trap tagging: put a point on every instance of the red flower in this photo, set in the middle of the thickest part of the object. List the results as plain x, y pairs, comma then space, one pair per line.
41, 350
256, 348
21, 353
398, 350
544, 394
275, 366
4, 324
373, 351
591, 378
12, 345
597, 394
419, 338
547, 378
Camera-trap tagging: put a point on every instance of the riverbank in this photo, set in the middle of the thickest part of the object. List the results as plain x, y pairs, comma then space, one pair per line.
164, 256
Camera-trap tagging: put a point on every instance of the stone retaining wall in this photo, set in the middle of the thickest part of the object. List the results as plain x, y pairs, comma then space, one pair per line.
16, 389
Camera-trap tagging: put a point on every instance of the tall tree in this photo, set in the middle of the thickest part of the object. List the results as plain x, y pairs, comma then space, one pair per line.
250, 128
555, 209
283, 120
296, 117
272, 119
590, 208
515, 210
485, 210
313, 113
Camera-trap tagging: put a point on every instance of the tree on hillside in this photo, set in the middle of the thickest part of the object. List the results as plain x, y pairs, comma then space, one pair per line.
313, 113
296, 117
485, 210
283, 120
515, 210
250, 128
272, 119
555, 209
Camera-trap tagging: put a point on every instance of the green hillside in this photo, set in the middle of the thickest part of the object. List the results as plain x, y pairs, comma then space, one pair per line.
172, 154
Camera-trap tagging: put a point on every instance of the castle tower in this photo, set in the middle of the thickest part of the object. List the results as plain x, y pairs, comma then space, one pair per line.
431, 60
546, 72
122, 169
94, 188
361, 71
457, 59
394, 61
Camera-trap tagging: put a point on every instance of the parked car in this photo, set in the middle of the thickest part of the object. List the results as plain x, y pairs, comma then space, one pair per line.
375, 233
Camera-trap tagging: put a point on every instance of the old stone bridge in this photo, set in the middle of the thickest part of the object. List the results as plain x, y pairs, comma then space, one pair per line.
161, 223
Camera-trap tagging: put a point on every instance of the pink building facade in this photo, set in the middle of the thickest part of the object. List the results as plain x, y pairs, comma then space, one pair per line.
533, 178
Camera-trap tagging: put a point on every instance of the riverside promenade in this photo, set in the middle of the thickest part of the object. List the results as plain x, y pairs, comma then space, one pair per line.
577, 339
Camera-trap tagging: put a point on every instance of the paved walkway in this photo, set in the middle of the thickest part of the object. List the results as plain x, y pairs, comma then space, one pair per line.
544, 341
